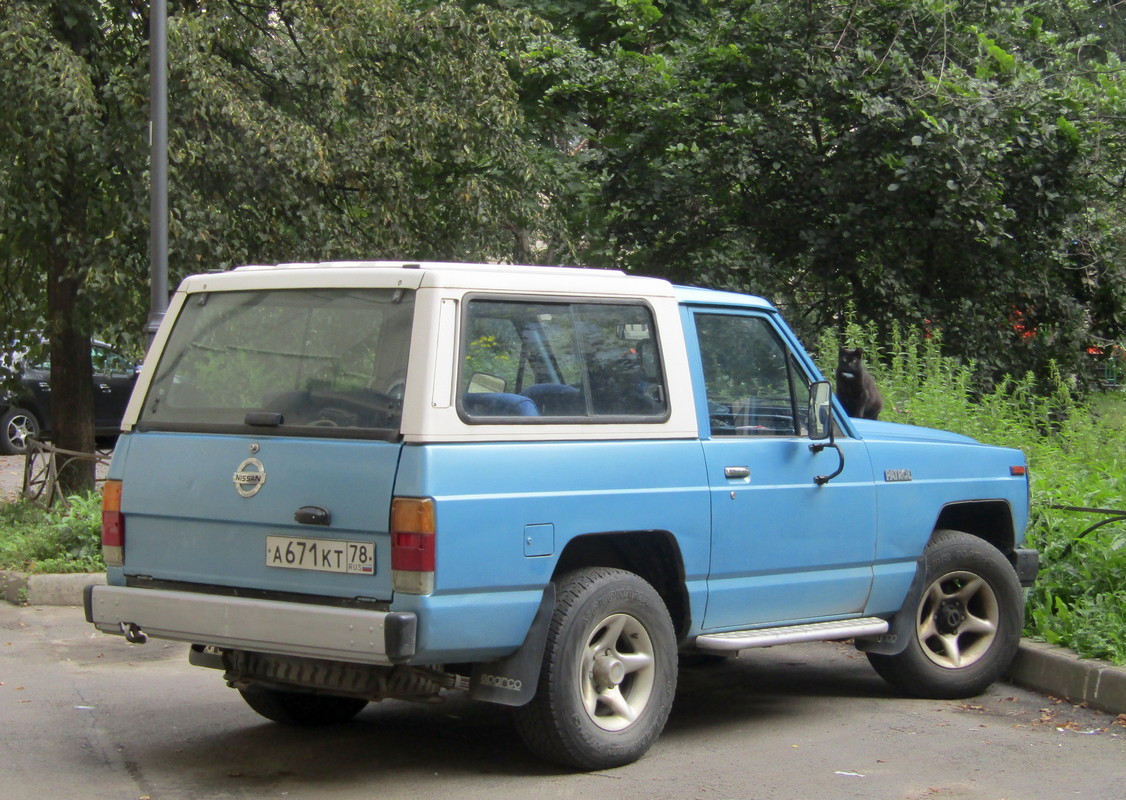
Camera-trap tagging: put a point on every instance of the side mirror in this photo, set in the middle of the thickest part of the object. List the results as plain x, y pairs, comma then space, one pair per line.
821, 427
820, 411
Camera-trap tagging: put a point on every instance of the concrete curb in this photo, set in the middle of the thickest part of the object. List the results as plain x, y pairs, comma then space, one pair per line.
1059, 672
1042, 667
46, 590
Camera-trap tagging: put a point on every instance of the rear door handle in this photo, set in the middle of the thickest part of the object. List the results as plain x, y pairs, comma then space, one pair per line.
313, 515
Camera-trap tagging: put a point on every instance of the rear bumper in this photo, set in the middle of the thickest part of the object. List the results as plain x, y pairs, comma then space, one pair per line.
265, 626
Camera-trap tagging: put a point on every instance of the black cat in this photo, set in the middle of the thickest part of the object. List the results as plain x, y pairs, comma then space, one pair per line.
856, 389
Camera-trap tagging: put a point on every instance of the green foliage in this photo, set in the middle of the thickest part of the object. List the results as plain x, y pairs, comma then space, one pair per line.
922, 161
65, 538
1075, 457
486, 355
315, 130
919, 160
298, 130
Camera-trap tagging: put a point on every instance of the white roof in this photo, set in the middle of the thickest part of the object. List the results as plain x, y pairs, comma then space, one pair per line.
421, 274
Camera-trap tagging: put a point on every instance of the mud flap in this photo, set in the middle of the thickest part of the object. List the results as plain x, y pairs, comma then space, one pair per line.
900, 626
512, 680
1026, 562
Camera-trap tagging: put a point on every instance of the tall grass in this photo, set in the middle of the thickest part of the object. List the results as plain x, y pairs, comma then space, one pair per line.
1077, 457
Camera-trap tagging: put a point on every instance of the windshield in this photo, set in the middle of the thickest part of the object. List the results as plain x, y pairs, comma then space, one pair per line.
324, 362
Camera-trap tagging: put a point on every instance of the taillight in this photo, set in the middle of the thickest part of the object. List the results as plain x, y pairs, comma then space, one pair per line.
113, 525
412, 545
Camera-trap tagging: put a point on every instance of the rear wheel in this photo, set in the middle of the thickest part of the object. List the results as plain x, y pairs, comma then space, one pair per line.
301, 709
16, 427
609, 672
967, 621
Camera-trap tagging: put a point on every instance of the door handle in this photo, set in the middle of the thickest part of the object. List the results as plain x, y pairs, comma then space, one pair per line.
736, 473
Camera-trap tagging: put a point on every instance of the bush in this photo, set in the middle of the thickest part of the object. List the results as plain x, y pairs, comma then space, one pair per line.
61, 539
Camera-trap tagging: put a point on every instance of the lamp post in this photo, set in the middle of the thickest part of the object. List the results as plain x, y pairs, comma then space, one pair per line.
158, 171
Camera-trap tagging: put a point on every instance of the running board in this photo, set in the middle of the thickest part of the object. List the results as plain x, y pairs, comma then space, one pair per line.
733, 641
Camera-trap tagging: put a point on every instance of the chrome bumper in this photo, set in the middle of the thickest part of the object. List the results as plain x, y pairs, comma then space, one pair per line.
264, 626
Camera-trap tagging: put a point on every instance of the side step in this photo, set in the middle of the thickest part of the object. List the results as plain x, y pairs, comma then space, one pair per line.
733, 641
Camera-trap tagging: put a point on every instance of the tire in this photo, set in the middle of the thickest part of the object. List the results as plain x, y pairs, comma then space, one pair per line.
302, 709
16, 427
968, 621
609, 673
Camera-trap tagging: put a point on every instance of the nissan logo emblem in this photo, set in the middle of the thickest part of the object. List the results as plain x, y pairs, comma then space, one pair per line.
249, 477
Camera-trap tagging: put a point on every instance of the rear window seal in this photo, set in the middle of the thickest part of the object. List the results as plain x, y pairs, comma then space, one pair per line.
304, 431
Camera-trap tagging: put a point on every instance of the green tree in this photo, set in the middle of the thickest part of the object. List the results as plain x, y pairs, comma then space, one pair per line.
305, 130
924, 161
298, 130
65, 188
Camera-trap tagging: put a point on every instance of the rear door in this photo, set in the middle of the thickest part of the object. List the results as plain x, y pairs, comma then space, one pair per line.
783, 548
114, 377
275, 514
265, 451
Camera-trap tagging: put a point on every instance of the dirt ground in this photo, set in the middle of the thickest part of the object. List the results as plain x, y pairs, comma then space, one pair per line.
11, 477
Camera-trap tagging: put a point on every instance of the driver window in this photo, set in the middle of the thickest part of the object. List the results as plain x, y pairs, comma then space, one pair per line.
749, 377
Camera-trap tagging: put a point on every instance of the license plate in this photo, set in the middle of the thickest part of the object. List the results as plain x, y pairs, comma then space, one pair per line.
323, 555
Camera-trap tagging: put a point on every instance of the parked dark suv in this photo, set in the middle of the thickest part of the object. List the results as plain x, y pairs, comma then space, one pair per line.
27, 412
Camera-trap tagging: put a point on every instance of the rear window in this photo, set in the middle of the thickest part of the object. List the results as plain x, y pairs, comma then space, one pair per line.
576, 362
324, 362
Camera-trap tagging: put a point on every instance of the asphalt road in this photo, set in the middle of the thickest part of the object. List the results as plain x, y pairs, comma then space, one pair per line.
89, 716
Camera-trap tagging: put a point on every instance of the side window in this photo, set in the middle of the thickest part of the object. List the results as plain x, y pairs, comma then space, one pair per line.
573, 362
108, 362
753, 385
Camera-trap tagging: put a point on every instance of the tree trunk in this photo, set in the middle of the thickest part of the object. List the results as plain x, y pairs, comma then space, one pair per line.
72, 377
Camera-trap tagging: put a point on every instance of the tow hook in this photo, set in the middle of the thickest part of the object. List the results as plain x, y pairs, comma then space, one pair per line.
133, 633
